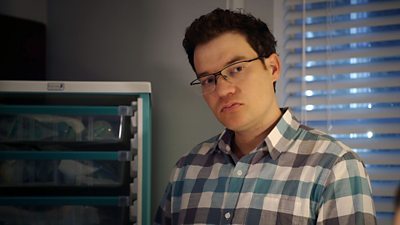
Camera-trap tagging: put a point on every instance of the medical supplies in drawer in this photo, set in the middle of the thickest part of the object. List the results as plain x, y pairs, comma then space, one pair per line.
65, 211
101, 124
106, 169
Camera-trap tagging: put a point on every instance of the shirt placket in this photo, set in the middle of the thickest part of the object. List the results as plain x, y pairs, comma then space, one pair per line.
233, 190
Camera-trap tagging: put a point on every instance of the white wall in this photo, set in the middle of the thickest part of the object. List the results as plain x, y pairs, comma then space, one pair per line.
139, 40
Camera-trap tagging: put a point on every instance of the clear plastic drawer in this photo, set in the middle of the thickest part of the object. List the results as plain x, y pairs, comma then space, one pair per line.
102, 124
69, 169
65, 211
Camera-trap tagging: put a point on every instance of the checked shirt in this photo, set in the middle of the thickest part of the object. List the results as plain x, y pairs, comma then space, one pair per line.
298, 175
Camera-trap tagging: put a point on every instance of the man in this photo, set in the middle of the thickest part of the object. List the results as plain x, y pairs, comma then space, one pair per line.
265, 168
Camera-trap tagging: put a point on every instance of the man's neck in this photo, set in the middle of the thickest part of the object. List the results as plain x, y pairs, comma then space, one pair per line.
246, 141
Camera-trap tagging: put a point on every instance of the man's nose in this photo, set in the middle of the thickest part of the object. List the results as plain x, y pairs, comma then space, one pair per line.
224, 86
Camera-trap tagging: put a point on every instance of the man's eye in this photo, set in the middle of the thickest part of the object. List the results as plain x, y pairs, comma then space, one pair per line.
207, 80
236, 69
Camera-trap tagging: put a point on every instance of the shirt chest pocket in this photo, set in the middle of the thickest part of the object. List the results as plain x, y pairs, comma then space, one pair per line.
284, 210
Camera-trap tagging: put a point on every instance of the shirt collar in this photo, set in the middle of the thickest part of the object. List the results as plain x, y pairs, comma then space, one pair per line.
277, 141
223, 143
282, 135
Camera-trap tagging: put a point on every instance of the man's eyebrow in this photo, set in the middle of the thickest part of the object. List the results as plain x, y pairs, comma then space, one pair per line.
234, 60
230, 62
202, 75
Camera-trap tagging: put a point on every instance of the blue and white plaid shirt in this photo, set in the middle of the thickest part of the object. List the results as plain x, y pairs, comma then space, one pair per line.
296, 176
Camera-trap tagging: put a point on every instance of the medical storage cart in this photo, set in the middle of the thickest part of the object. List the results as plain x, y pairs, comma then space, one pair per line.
75, 153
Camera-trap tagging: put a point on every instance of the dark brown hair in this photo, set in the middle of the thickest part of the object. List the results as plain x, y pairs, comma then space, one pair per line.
219, 21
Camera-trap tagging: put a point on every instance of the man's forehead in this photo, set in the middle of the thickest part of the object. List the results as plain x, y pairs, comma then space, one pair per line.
218, 53
225, 63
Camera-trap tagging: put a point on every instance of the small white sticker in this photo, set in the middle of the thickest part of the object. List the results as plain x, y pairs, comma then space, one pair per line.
55, 86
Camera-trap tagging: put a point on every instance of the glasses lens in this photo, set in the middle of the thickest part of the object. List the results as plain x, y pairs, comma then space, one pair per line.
207, 83
232, 72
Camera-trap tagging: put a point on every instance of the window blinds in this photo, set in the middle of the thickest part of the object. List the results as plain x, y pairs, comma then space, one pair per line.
342, 75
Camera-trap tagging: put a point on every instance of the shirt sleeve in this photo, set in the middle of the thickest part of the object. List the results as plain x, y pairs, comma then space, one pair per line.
163, 214
347, 198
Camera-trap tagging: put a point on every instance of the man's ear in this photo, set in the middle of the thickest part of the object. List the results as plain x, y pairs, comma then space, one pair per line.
273, 63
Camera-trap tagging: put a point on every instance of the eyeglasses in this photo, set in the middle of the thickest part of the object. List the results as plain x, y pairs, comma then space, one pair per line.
232, 73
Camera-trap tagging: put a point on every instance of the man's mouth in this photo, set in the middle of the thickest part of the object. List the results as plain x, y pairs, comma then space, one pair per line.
230, 107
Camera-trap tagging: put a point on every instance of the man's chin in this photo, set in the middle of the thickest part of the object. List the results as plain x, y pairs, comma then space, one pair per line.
232, 125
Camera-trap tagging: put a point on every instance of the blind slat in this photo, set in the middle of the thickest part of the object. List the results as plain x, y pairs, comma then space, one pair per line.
346, 69
298, 2
384, 218
353, 114
381, 158
345, 54
345, 99
383, 188
342, 40
360, 128
383, 205
369, 22
375, 143
345, 84
383, 173
378, 6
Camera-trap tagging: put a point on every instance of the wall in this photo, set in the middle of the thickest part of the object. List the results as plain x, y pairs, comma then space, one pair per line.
35, 10
23, 39
139, 40
135, 41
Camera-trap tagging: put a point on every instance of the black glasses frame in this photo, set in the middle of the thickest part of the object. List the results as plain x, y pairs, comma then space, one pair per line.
219, 73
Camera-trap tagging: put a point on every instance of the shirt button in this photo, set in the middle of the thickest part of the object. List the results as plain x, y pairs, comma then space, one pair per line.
239, 173
227, 215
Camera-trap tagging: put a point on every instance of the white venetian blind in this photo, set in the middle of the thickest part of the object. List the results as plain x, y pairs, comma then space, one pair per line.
342, 75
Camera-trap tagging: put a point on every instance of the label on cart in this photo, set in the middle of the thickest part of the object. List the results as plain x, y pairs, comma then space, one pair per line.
55, 86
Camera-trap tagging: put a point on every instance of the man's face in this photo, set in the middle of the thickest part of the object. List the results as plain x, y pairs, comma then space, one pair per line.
247, 104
